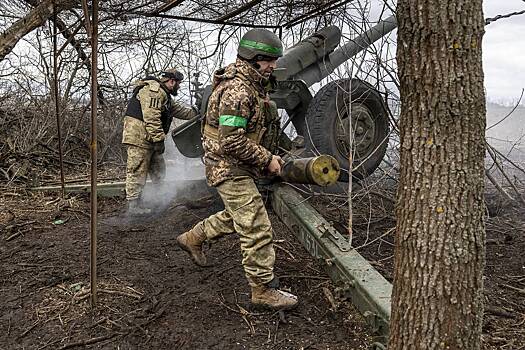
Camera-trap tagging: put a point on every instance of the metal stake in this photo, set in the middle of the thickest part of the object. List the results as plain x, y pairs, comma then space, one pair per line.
93, 146
350, 158
55, 92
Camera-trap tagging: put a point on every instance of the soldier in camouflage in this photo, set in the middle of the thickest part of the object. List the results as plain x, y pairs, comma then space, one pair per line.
238, 132
148, 118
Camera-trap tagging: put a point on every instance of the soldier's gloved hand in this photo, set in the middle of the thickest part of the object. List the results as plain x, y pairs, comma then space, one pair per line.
198, 101
159, 146
275, 165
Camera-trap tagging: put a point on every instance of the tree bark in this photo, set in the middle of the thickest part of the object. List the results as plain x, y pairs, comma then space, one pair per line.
437, 300
34, 19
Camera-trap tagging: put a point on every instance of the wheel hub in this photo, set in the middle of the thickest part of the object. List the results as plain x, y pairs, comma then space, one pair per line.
364, 131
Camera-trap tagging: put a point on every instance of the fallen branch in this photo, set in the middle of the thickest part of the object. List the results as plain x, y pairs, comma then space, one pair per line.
519, 290
492, 154
305, 276
330, 297
85, 294
18, 233
498, 186
517, 166
284, 250
239, 312
29, 329
497, 311
89, 341
9, 227
244, 313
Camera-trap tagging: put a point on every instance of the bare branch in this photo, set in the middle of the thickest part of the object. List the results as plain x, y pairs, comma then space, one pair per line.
34, 19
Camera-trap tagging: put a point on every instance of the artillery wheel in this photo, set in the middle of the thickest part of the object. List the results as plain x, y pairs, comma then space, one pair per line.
327, 126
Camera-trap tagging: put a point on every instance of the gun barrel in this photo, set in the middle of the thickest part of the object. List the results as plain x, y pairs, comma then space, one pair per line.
322, 68
307, 52
363, 41
322, 170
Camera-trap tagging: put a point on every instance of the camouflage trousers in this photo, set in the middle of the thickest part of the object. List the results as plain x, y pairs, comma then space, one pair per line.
141, 162
245, 215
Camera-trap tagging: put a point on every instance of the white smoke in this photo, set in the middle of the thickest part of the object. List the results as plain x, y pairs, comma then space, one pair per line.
185, 180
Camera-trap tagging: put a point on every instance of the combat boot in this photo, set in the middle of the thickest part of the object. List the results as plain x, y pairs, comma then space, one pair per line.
273, 298
191, 241
135, 209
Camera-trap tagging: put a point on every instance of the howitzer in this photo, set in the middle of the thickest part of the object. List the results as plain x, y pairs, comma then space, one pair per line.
326, 119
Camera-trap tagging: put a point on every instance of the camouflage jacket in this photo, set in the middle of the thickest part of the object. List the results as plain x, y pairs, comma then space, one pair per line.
149, 114
238, 117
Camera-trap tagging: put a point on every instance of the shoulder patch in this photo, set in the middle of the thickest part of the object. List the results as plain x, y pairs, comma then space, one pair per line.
153, 85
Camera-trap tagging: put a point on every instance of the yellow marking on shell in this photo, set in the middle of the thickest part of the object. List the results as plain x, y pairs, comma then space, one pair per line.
324, 170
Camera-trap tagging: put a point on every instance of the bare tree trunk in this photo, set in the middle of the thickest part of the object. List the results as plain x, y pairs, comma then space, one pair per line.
437, 297
34, 19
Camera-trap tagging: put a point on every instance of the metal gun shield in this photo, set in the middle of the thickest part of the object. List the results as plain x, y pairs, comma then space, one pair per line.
187, 138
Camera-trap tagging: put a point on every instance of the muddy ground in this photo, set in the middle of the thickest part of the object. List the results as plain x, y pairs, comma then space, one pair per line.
150, 296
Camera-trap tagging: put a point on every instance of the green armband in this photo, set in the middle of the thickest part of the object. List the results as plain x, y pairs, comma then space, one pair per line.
233, 120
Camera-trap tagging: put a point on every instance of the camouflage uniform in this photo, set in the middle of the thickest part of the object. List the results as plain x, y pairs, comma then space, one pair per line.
239, 136
148, 118
237, 122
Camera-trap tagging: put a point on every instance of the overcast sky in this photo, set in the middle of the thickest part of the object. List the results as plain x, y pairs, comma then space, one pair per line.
504, 51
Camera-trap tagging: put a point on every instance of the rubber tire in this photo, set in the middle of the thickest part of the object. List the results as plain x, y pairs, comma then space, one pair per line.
322, 115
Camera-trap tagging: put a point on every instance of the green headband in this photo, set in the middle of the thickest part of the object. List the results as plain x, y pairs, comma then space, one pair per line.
249, 44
